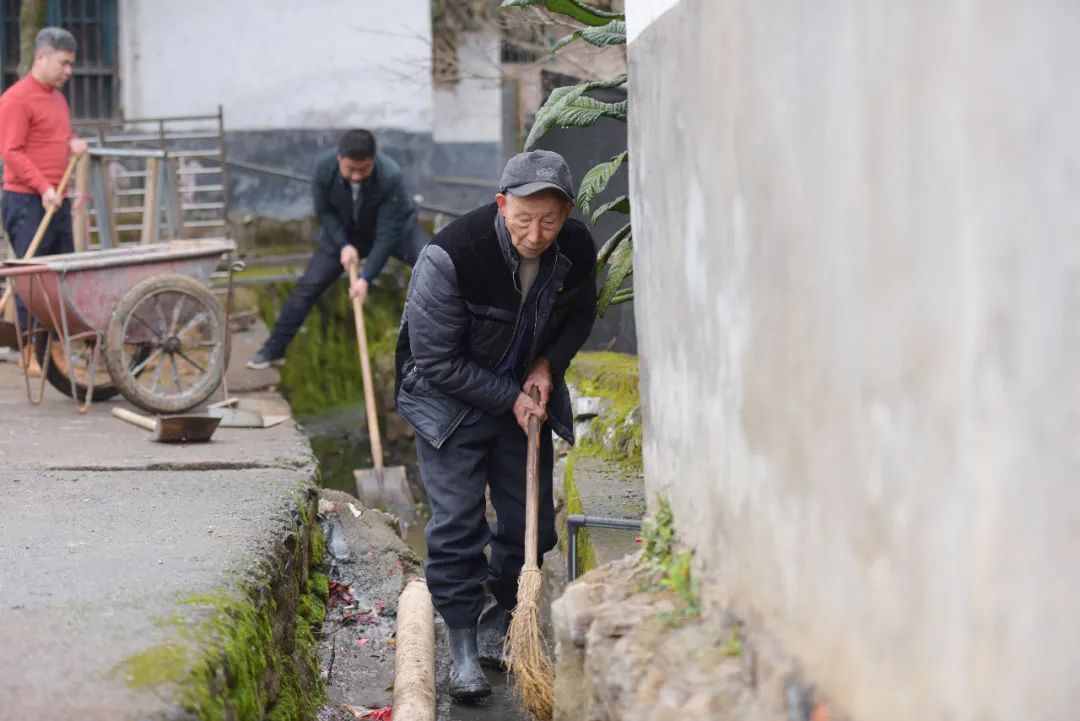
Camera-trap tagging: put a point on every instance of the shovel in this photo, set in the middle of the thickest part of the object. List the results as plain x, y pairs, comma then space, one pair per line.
235, 418
172, 429
7, 329
35, 242
378, 486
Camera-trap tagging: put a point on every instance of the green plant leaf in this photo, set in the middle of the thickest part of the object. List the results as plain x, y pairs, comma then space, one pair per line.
614, 33
597, 179
622, 265
610, 245
567, 107
619, 205
608, 84
584, 14
623, 295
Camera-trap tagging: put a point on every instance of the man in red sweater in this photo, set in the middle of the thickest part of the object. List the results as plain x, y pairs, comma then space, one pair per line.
36, 139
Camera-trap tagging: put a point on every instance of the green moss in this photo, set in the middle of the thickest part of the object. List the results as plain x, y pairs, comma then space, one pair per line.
322, 370
613, 377
669, 562
223, 659
292, 704
320, 586
161, 664
586, 553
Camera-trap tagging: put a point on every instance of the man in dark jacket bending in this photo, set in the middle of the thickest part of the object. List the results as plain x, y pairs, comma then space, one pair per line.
500, 302
364, 211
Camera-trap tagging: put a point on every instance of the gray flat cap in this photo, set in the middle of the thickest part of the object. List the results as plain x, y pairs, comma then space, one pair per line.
528, 173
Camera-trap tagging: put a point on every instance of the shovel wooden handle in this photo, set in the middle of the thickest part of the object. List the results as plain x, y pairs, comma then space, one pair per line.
35, 242
365, 373
135, 419
532, 489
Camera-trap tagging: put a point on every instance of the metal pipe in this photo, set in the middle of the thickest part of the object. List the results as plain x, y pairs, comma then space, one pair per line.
578, 521
126, 153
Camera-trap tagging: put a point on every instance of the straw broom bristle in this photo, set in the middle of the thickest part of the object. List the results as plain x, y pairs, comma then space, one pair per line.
532, 670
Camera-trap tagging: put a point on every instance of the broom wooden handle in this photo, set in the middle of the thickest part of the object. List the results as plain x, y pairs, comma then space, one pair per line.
35, 242
365, 372
532, 489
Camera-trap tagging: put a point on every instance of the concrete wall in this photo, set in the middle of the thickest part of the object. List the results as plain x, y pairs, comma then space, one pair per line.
467, 158
858, 277
291, 77
279, 63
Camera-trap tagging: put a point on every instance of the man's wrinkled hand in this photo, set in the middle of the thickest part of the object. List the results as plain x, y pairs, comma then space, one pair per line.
51, 199
358, 290
540, 378
349, 256
77, 146
524, 408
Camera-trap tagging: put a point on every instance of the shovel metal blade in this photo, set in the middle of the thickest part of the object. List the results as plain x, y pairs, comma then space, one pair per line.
232, 418
185, 429
391, 491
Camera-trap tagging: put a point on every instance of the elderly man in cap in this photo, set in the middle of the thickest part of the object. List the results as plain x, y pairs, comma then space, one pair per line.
500, 302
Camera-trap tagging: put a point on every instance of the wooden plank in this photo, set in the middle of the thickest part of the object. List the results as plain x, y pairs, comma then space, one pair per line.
151, 215
81, 216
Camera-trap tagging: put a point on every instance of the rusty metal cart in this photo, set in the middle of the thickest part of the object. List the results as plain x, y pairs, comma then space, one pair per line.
146, 311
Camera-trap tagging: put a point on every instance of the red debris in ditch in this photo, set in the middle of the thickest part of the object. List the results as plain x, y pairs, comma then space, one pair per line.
375, 714
340, 594
360, 618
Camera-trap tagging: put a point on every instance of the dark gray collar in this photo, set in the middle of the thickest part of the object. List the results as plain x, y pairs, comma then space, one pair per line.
510, 254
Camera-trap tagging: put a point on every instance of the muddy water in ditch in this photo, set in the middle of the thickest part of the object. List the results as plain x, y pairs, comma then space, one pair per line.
322, 372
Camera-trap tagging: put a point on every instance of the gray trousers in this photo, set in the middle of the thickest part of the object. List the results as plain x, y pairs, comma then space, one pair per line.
488, 453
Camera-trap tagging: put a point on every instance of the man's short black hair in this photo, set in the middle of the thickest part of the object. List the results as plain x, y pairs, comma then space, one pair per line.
357, 144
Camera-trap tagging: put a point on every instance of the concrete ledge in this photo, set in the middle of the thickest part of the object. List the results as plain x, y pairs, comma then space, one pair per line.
149, 581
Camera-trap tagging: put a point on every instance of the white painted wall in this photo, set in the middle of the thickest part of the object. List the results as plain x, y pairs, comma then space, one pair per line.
857, 256
279, 63
470, 111
642, 13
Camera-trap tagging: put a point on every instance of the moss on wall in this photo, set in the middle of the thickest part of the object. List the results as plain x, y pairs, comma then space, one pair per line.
322, 368
615, 434
586, 554
238, 654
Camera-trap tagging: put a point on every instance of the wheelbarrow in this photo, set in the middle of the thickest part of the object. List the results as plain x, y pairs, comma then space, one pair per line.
139, 321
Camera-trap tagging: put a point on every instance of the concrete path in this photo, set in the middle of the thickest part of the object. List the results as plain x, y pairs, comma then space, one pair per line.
103, 534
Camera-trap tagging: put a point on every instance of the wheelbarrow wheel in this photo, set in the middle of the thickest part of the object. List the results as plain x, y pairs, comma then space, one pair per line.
165, 347
59, 369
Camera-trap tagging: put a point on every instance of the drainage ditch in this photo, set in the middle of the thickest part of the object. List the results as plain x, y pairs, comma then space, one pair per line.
321, 381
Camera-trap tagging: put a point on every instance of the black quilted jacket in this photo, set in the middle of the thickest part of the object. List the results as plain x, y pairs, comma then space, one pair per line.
459, 321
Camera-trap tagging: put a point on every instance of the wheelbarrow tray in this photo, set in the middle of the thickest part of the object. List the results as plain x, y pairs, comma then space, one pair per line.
84, 288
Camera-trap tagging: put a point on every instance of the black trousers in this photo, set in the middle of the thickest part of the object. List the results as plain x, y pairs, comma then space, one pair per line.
322, 271
488, 453
22, 216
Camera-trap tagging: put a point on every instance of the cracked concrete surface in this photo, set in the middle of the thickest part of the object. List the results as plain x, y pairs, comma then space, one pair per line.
103, 533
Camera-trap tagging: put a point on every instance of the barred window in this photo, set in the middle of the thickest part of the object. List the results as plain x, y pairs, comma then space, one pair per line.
93, 90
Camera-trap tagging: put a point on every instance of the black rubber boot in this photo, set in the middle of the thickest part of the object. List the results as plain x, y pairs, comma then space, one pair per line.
491, 636
467, 680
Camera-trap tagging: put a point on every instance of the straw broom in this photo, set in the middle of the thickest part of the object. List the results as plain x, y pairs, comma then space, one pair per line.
532, 670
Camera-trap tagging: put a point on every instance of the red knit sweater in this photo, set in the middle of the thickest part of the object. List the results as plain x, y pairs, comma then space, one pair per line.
35, 127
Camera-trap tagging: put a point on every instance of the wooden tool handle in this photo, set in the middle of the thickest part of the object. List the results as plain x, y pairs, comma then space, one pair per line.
35, 242
135, 419
532, 489
365, 372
